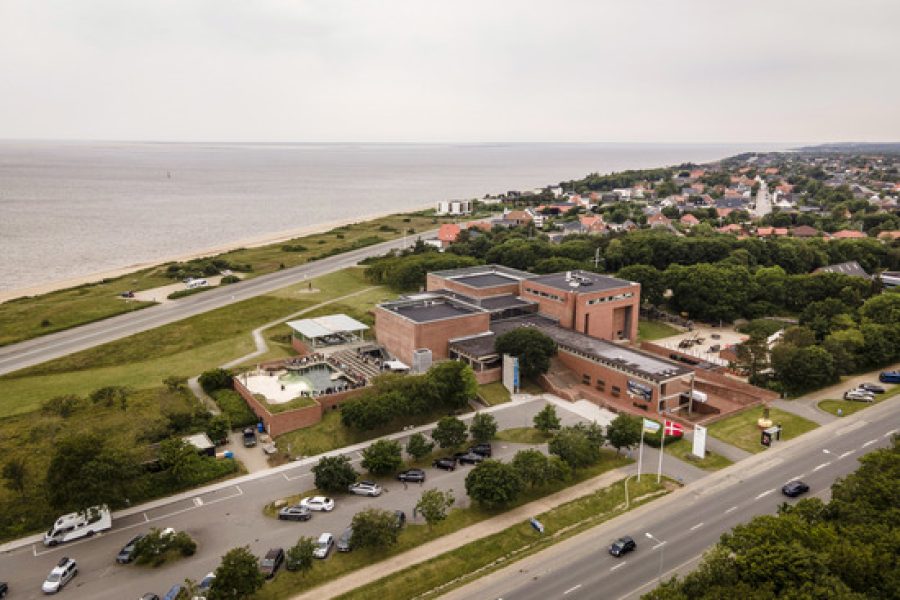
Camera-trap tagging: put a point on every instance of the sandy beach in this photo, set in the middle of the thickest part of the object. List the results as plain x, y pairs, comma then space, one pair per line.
253, 242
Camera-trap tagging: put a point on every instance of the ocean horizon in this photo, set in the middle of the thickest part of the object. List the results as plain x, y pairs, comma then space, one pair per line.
71, 209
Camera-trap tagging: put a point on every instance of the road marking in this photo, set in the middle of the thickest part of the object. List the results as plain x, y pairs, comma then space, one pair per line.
198, 502
618, 566
795, 477
869, 443
846, 454
733, 508
146, 518
763, 494
571, 589
822, 466
659, 545
890, 433
697, 526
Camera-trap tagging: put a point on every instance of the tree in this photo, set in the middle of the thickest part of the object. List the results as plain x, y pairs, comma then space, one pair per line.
215, 379
493, 484
434, 504
374, 528
237, 577
653, 284
483, 427
175, 383
62, 406
574, 447
547, 420
218, 428
533, 348
450, 432
86, 471
180, 460
624, 432
334, 474
805, 368
531, 465
111, 395
382, 457
418, 447
455, 383
300, 555
15, 473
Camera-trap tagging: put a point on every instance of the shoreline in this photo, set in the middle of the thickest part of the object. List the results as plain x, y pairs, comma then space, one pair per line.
252, 242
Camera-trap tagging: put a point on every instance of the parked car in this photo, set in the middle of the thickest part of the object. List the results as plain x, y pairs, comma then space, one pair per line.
468, 458
415, 475
271, 562
859, 396
144, 597
126, 554
482, 449
249, 437
365, 488
889, 377
174, 592
60, 575
343, 543
448, 463
871, 387
792, 489
324, 546
294, 513
4, 589
318, 503
399, 519
621, 546
206, 582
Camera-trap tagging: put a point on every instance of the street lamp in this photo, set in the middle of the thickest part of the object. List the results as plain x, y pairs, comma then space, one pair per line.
659, 544
626, 489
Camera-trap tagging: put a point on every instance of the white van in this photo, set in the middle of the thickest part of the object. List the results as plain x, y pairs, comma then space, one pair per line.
197, 283
79, 524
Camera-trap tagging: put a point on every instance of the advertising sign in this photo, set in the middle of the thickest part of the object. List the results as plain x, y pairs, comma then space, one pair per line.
699, 449
511, 373
643, 391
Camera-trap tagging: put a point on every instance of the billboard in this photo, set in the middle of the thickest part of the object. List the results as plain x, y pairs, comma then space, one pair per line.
511, 373
699, 449
641, 390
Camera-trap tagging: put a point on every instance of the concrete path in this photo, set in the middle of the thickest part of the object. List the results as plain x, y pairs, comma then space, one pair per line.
732, 453
201, 395
807, 410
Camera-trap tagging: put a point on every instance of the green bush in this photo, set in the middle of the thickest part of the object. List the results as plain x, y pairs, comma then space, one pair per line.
235, 408
216, 379
229, 279
294, 248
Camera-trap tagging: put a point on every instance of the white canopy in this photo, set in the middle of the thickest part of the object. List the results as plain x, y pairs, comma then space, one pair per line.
328, 325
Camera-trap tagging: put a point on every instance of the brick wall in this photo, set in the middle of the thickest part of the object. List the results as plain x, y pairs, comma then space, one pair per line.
610, 377
489, 376
396, 334
601, 320
401, 336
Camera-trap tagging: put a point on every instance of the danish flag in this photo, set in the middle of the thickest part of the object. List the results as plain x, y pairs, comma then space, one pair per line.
674, 429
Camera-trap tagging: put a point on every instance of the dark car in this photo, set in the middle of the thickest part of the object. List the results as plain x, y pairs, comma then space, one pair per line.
271, 562
889, 377
448, 463
174, 592
482, 449
4, 589
249, 437
621, 546
792, 489
295, 513
126, 554
147, 597
871, 387
400, 519
468, 458
414, 475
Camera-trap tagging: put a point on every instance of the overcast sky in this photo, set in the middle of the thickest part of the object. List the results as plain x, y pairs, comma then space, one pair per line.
457, 70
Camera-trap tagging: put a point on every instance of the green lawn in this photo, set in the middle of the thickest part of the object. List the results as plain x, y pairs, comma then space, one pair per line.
493, 393
682, 449
741, 430
522, 435
849, 407
457, 567
414, 535
654, 330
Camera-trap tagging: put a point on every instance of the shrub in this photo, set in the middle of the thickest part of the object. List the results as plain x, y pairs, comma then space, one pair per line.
216, 379
334, 474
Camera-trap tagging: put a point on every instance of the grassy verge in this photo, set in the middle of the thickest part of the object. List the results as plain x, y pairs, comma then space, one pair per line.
741, 430
654, 330
522, 435
682, 449
849, 407
493, 393
233, 406
414, 535
31, 317
460, 566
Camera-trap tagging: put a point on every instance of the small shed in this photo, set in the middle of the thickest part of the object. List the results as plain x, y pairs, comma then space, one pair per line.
202, 443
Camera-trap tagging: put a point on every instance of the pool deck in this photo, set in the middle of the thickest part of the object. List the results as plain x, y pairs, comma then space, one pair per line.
275, 391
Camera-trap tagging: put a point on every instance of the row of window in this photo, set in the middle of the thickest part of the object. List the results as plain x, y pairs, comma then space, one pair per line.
601, 385
612, 298
543, 294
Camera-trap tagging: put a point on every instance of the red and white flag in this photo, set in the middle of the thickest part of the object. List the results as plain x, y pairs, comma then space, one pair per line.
674, 429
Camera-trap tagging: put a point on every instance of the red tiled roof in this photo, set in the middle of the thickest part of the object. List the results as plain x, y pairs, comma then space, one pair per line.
847, 234
889, 235
689, 219
448, 232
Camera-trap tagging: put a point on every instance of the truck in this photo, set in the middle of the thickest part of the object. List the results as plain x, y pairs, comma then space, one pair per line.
78, 525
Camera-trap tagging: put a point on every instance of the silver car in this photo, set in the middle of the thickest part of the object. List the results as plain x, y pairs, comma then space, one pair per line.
61, 574
365, 488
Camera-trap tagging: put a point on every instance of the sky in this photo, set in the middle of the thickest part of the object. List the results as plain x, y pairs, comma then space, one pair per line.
686, 71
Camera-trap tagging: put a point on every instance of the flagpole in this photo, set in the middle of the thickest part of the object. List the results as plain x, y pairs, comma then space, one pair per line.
662, 445
641, 451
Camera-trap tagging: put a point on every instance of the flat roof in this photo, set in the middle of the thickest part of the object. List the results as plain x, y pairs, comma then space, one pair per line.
427, 310
509, 272
485, 280
587, 281
477, 346
327, 325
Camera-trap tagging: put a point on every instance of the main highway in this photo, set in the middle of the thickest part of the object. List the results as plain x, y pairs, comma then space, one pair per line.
686, 523
35, 351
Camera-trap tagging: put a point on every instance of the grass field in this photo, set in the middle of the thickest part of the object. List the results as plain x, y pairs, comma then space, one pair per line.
849, 407
654, 330
30, 317
493, 393
682, 449
741, 430
478, 558
414, 535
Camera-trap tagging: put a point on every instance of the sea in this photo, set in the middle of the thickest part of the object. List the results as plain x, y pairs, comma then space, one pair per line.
73, 209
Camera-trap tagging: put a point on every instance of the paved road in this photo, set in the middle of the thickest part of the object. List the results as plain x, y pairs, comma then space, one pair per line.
229, 515
31, 352
688, 522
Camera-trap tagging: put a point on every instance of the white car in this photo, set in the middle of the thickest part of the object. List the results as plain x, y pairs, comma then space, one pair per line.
61, 574
323, 546
366, 488
318, 503
859, 396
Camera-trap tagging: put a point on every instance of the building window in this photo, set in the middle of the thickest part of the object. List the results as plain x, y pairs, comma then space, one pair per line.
586, 379
616, 391
601, 385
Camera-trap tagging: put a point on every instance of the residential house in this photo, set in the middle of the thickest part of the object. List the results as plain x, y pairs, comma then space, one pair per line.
889, 235
848, 234
593, 223
851, 267
454, 207
805, 231
731, 228
659, 220
689, 220
448, 233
